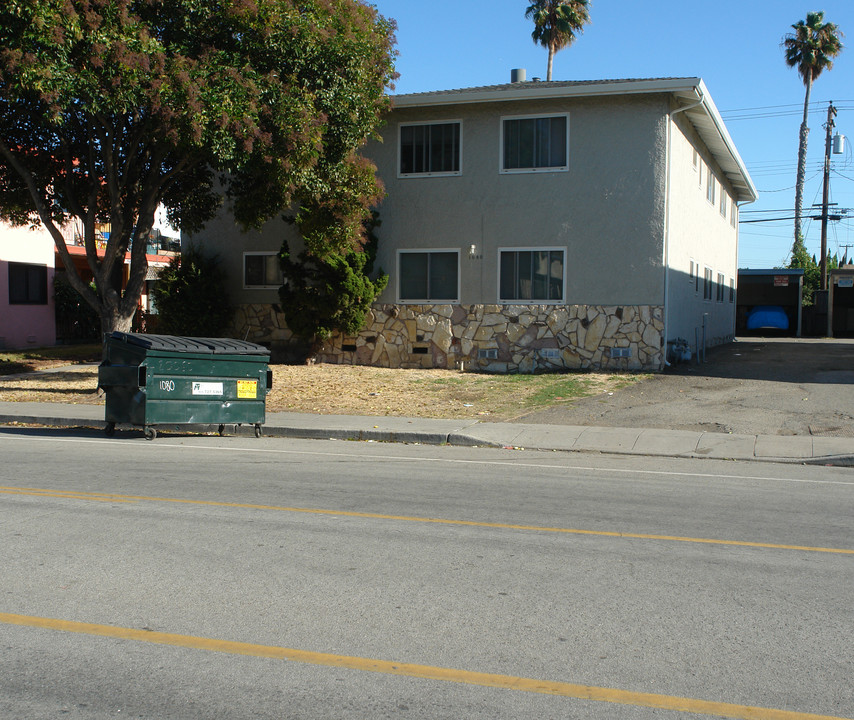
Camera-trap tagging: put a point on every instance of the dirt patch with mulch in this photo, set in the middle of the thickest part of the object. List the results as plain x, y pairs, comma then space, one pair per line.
359, 390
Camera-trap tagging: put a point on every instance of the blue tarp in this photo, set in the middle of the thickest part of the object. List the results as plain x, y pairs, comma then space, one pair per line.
767, 317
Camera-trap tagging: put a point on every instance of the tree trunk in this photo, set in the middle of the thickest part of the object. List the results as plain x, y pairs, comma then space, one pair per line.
802, 162
112, 320
551, 61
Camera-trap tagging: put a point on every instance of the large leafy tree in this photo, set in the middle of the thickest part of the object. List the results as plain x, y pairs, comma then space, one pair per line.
109, 108
810, 49
557, 23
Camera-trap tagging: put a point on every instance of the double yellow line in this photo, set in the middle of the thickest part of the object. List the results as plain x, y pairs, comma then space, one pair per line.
109, 497
423, 672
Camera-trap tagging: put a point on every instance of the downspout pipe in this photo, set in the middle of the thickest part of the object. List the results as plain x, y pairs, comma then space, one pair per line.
668, 156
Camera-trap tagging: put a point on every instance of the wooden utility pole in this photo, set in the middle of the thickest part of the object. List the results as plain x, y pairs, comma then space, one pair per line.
831, 113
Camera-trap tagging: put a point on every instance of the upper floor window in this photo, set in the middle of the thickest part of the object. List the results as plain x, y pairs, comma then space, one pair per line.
27, 284
430, 149
428, 276
534, 143
261, 270
724, 201
710, 188
733, 213
707, 283
531, 275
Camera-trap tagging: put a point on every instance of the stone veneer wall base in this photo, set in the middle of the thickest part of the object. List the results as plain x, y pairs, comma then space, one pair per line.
489, 338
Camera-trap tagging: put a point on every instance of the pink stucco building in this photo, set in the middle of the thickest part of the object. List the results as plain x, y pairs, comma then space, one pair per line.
27, 264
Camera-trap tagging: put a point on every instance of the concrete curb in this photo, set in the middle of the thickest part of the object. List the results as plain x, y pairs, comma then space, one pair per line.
605, 440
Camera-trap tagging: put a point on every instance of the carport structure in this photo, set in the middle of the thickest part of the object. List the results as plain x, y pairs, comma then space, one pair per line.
780, 287
840, 303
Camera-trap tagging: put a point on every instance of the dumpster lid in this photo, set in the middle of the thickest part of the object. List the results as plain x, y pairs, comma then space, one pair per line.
177, 343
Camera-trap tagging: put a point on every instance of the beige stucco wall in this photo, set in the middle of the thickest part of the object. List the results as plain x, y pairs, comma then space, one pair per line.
224, 238
699, 232
607, 210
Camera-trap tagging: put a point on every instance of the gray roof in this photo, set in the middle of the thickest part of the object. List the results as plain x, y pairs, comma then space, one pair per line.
771, 271
554, 85
690, 93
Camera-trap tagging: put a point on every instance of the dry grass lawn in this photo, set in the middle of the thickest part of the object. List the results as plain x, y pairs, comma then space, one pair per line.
337, 389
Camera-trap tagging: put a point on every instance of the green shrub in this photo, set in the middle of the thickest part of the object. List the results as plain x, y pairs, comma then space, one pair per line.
322, 295
190, 297
76, 321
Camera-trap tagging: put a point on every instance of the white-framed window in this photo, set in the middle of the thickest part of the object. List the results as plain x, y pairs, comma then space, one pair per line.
261, 270
710, 187
695, 159
719, 288
724, 202
531, 275
732, 290
429, 149
733, 214
427, 276
692, 274
707, 283
534, 143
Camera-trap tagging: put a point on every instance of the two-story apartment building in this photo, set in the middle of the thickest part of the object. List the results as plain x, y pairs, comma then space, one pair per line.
535, 225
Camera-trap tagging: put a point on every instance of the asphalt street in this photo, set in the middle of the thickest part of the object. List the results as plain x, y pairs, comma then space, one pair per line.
204, 577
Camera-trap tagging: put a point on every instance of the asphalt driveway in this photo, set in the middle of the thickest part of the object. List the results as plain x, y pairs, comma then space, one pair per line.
762, 386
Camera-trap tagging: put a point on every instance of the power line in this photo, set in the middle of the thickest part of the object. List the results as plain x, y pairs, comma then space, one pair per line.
778, 219
778, 114
836, 172
814, 105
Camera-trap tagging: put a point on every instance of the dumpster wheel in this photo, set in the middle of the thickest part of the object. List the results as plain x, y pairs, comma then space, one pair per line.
150, 432
257, 430
110, 429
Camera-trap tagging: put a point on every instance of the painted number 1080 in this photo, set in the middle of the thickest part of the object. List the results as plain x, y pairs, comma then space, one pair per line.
167, 385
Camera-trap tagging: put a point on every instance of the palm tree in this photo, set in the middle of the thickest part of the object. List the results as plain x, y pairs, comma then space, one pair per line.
811, 49
556, 24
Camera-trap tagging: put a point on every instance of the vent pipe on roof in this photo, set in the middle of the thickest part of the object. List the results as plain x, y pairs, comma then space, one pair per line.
517, 75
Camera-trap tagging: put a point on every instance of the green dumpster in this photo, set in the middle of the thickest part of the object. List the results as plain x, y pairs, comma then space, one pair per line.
154, 380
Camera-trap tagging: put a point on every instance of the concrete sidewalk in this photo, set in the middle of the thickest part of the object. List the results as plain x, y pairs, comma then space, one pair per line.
470, 433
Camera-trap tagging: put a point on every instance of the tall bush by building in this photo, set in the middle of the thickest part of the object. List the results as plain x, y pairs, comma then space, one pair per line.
330, 293
190, 297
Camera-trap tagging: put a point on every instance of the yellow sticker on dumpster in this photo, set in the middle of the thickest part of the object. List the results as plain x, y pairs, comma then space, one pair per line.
247, 389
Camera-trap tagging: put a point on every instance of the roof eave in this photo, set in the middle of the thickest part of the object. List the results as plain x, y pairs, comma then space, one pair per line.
711, 128
542, 91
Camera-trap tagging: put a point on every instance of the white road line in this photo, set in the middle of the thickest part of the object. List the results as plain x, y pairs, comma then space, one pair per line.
162, 445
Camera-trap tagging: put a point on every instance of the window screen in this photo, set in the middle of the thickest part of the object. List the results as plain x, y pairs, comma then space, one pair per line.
535, 143
531, 275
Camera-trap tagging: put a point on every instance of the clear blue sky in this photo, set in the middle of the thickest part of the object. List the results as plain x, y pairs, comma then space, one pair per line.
733, 45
